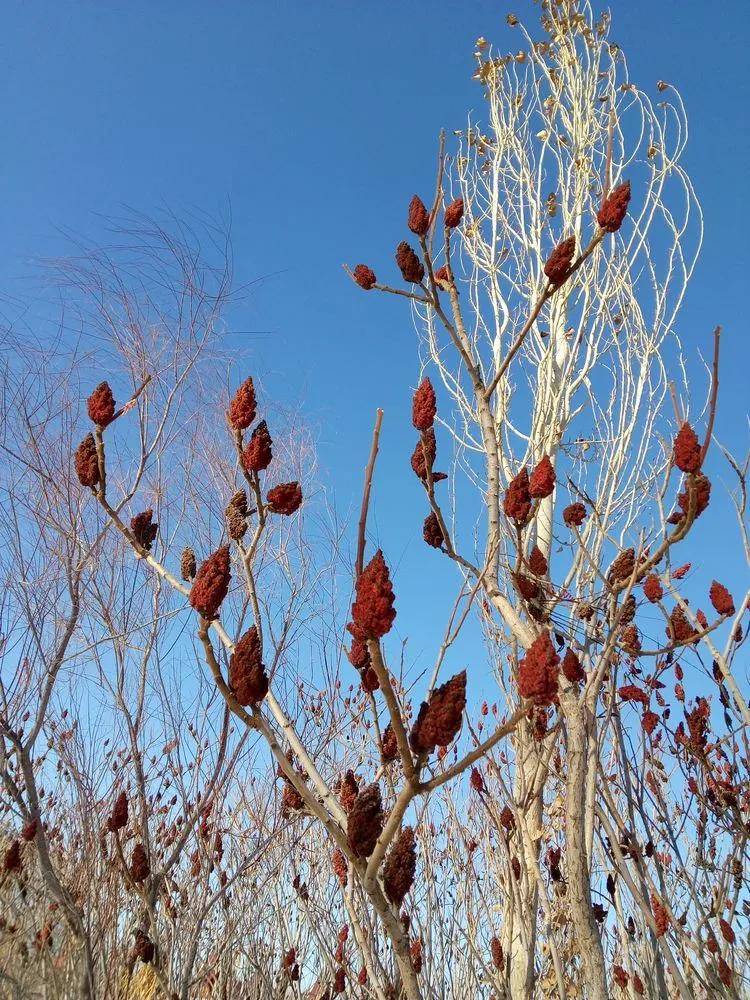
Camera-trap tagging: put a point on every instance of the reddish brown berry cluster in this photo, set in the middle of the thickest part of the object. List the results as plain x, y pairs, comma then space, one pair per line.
348, 790
423, 406
339, 865
86, 462
286, 498
236, 516
649, 722
139, 866
365, 823
537, 671
496, 951
29, 831
614, 208
143, 947
409, 264
144, 529
631, 692
211, 584
661, 917
622, 566
389, 745
687, 450
517, 501
537, 562
364, 276
247, 675
454, 213
558, 263
432, 532
118, 818
652, 588
630, 640
101, 405
243, 406
721, 599
679, 628
187, 564
373, 612
574, 514
439, 719
418, 219
542, 479
572, 669
259, 451
13, 860
400, 866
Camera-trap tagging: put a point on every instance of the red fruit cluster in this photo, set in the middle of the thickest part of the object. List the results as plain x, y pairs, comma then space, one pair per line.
726, 931
365, 822
409, 264
423, 406
631, 692
542, 479
359, 654
12, 860
400, 866
476, 780
101, 405
558, 263
258, 451
572, 669
242, 409
528, 589
721, 599
661, 917
187, 564
236, 515
144, 529
364, 276
389, 747
620, 976
725, 972
419, 218
348, 790
622, 566
247, 675
439, 719
86, 462
649, 722
373, 611
496, 950
423, 456
143, 947
517, 501
630, 640
286, 498
211, 584
443, 278
29, 831
687, 449
454, 213
139, 866
537, 671
574, 514
652, 588
340, 866
679, 628
118, 818
614, 208
537, 562
432, 532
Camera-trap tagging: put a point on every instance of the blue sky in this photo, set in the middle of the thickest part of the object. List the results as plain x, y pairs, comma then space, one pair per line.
316, 122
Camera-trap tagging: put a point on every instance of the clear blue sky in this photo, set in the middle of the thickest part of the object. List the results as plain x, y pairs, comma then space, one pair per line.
317, 122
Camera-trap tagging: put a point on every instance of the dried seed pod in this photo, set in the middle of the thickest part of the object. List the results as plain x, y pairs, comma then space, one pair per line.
143, 947
724, 972
649, 722
87, 463
454, 213
259, 451
679, 628
630, 640
661, 917
187, 564
348, 790
236, 515
400, 866
340, 866
101, 405
423, 456
370, 680
687, 449
702, 488
139, 866
517, 501
559, 261
286, 498
528, 589
409, 264
721, 599
247, 675
443, 278
432, 532
614, 208
144, 529
574, 514
476, 780
373, 611
359, 654
542, 479
726, 931
364, 276
211, 584
418, 218
572, 669
496, 950
423, 406
241, 412
291, 800
439, 719
622, 566
118, 818
627, 610
365, 823
537, 671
